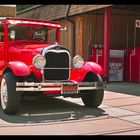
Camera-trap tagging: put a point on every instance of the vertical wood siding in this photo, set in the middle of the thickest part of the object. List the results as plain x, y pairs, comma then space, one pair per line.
119, 31
67, 36
91, 30
7, 11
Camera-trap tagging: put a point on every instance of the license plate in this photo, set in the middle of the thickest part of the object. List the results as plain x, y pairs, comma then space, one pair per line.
69, 88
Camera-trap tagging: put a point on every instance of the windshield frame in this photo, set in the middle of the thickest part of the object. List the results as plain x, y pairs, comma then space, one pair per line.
14, 21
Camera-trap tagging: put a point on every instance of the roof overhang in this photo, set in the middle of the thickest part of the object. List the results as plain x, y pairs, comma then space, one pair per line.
8, 5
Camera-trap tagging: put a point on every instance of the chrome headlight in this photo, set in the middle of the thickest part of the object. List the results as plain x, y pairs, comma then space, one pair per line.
39, 61
78, 61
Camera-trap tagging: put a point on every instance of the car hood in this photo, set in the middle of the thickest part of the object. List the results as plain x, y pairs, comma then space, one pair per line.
24, 51
33, 46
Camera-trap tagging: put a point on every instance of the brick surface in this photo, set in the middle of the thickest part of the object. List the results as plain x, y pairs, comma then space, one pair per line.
123, 102
76, 127
135, 108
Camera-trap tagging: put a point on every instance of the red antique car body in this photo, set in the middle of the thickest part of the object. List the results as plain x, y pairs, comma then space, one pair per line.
17, 61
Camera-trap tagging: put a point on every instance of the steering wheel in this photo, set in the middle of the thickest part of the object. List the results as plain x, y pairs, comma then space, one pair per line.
39, 39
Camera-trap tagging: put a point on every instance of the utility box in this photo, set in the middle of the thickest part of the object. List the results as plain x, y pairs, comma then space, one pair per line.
7, 10
97, 54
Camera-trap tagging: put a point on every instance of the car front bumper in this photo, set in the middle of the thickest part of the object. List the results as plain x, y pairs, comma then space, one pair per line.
62, 87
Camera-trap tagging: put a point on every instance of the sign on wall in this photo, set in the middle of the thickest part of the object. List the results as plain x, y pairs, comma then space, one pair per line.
137, 23
116, 65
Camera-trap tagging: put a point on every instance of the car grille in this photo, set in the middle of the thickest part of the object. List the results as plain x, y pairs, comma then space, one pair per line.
57, 65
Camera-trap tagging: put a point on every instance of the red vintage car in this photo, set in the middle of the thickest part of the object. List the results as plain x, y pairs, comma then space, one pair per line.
32, 61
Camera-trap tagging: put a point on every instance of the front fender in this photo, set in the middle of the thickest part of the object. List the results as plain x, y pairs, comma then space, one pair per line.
79, 74
19, 68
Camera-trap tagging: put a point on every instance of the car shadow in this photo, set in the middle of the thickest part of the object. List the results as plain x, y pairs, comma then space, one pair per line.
44, 110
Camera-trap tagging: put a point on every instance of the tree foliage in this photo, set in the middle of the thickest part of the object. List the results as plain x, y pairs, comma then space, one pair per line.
22, 7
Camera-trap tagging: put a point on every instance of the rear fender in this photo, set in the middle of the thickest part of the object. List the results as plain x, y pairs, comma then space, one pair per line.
88, 67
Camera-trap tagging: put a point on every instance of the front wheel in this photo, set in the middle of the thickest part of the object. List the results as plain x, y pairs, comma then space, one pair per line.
10, 99
93, 98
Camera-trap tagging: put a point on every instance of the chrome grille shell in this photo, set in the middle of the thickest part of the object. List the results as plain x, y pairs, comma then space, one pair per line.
58, 65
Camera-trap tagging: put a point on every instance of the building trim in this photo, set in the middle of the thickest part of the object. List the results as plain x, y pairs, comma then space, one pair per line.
28, 9
74, 10
8, 5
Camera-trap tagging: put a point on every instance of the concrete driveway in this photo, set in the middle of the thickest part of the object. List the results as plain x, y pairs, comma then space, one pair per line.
119, 114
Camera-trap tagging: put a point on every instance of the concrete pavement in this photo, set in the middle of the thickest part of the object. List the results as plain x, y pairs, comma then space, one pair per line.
119, 114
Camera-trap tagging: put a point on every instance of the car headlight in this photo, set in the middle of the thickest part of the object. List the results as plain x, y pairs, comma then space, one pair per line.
39, 61
78, 61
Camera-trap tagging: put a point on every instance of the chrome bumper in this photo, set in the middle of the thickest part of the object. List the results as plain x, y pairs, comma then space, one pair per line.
31, 86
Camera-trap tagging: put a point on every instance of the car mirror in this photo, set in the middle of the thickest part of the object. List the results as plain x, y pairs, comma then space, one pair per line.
64, 29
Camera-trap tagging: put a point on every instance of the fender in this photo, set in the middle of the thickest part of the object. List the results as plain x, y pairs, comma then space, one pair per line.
79, 74
19, 68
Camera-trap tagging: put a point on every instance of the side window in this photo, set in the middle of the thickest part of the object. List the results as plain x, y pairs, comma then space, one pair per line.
11, 33
1, 32
17, 32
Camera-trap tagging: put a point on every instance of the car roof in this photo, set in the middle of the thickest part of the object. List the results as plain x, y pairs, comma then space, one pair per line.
29, 20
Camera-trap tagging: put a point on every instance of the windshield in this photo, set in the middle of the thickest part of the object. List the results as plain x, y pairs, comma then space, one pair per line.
41, 33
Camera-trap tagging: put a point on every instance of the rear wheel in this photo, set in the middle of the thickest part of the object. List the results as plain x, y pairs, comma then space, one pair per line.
92, 98
10, 99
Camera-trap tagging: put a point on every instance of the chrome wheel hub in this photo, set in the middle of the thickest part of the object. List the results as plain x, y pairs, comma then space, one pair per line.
4, 94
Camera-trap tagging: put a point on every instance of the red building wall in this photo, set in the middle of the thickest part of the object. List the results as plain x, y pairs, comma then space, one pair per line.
132, 65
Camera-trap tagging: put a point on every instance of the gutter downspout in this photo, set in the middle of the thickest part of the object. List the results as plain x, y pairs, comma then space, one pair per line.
73, 29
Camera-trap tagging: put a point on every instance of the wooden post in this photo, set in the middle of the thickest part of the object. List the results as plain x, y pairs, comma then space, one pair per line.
80, 37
